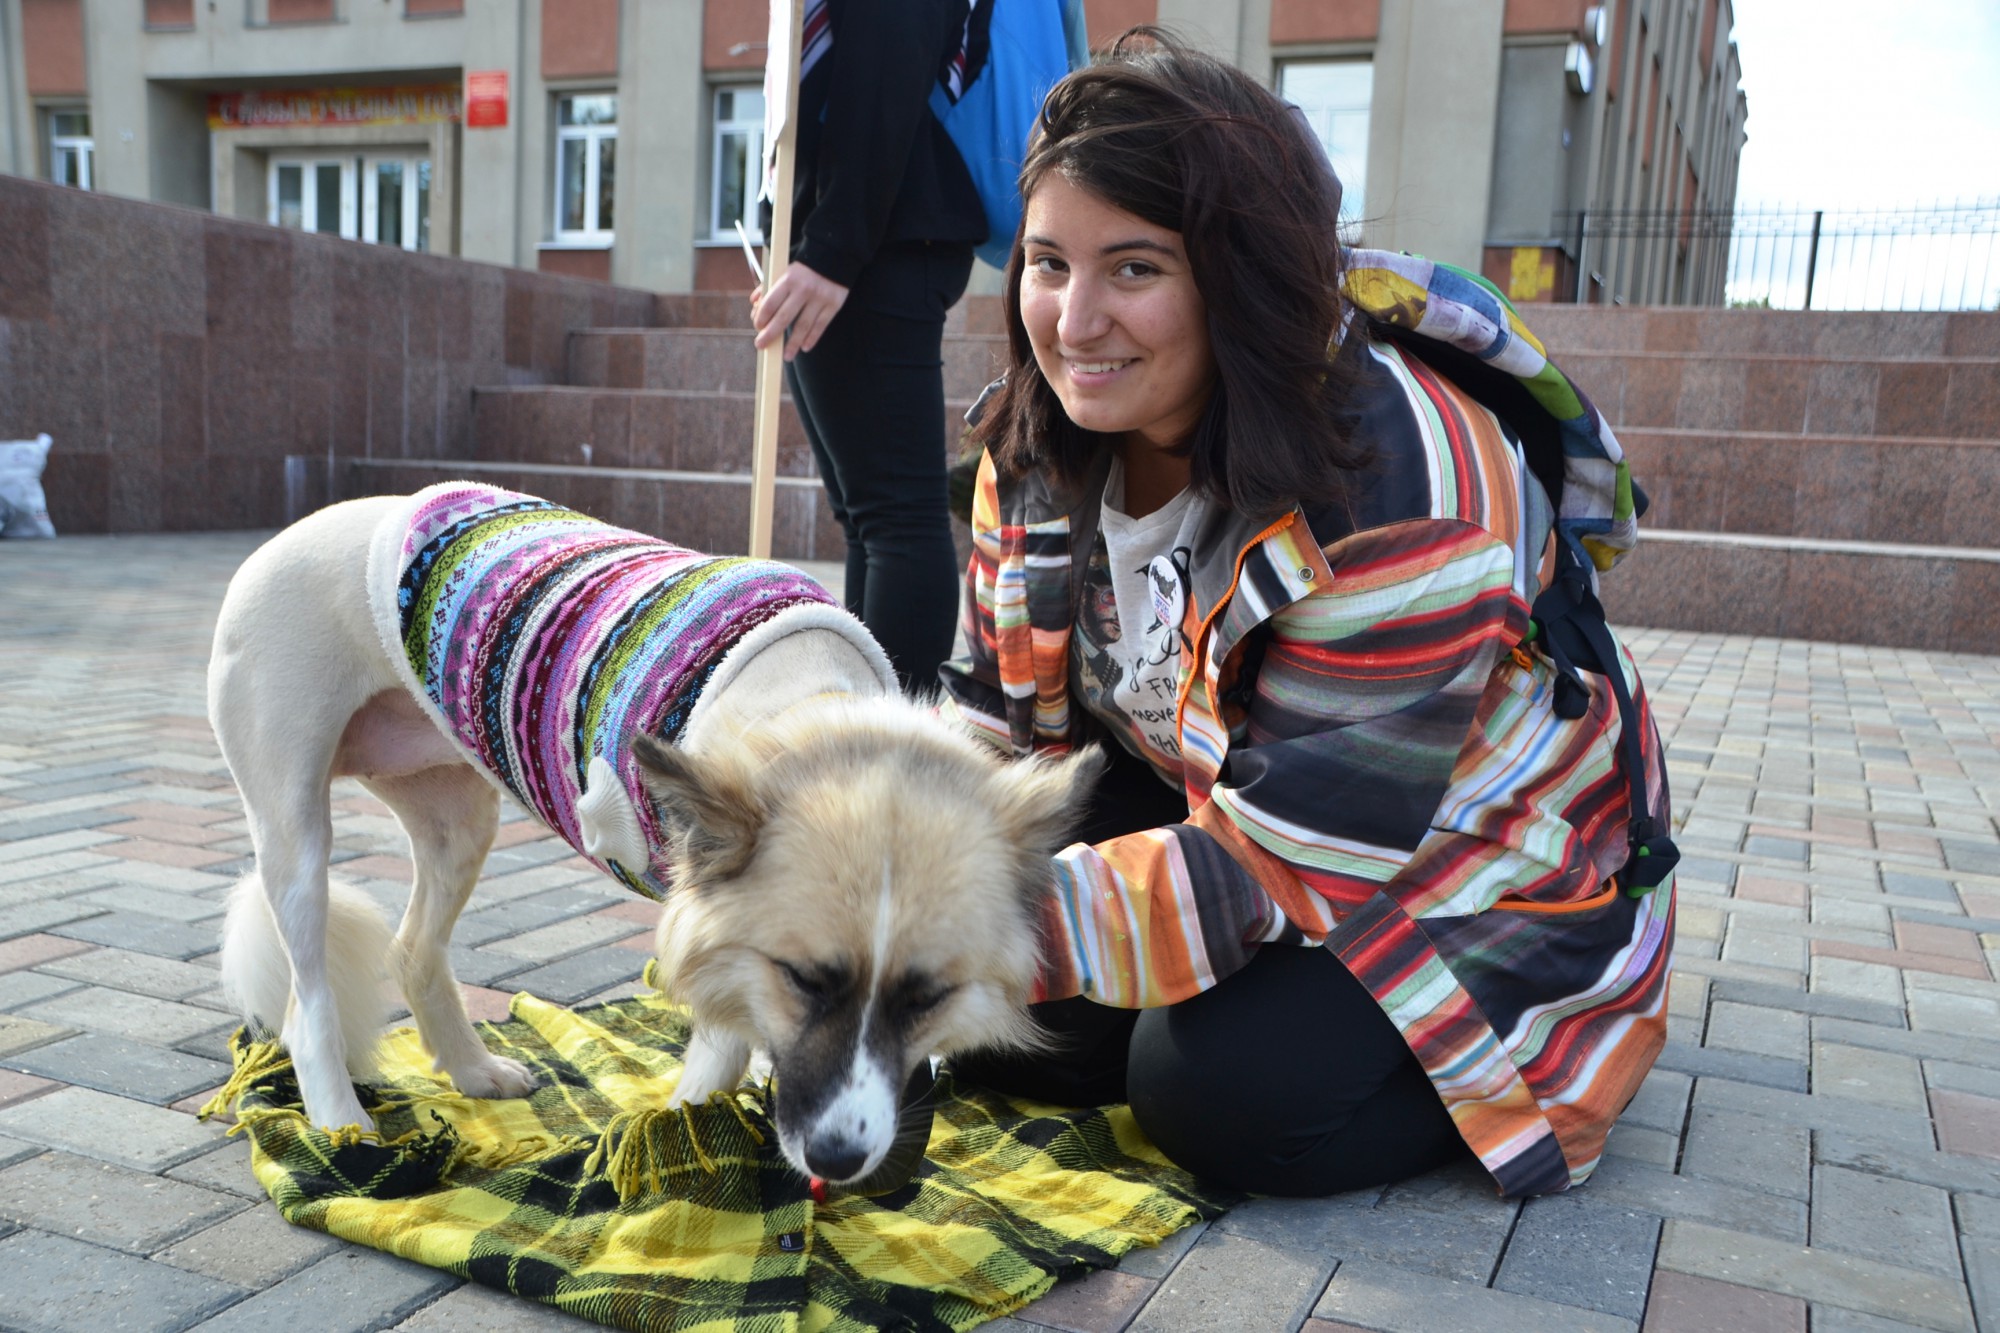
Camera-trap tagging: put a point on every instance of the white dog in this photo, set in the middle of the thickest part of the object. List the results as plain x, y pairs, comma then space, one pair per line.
853, 880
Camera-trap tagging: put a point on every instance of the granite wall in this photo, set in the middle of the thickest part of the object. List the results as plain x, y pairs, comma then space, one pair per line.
178, 358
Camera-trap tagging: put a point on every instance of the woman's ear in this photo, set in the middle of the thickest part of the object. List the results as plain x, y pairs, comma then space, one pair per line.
1040, 800
711, 813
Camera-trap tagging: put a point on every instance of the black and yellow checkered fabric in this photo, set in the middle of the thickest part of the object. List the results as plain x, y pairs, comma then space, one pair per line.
714, 1230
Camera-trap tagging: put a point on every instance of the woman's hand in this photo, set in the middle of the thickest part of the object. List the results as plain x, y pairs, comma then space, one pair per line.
801, 301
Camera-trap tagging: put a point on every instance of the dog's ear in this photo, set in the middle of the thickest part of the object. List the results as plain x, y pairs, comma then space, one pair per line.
711, 813
1041, 800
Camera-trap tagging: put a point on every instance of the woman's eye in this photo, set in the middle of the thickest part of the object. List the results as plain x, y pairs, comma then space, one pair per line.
1046, 264
1135, 268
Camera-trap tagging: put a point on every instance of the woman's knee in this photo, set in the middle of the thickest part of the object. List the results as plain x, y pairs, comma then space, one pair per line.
1287, 1079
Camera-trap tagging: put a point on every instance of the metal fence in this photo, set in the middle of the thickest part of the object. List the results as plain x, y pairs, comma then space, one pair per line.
1943, 257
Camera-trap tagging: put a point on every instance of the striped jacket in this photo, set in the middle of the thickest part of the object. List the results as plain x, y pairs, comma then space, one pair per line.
1373, 763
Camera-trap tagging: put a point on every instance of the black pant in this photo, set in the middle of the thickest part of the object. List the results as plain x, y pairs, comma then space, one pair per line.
871, 395
1286, 1078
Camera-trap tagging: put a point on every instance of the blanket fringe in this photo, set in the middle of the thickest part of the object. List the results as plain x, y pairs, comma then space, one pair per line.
258, 1061
637, 1147
528, 1148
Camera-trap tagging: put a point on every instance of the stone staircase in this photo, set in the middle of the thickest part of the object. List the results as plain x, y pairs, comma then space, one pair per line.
1813, 475
1816, 475
652, 430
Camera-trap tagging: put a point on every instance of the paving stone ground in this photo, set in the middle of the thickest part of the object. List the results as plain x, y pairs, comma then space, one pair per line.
1819, 1147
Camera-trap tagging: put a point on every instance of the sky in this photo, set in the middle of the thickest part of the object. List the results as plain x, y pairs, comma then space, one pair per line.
1870, 102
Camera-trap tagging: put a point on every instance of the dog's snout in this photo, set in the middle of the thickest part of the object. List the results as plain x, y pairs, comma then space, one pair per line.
836, 1158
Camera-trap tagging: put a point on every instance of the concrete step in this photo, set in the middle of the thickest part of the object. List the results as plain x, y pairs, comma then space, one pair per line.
1931, 397
707, 511
731, 310
1897, 596
1881, 593
678, 429
1570, 329
1838, 488
724, 359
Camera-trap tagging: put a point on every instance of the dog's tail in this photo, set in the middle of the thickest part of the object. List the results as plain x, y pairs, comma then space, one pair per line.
257, 972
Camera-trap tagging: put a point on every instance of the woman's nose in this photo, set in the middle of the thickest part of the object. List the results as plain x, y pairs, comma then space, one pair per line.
1084, 316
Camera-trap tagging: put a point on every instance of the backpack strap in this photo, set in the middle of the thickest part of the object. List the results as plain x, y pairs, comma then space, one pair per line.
1568, 625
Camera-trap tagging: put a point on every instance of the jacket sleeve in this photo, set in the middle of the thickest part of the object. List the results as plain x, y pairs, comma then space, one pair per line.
885, 59
1367, 698
970, 690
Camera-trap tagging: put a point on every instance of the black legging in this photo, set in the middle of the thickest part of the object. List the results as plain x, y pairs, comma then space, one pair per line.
871, 396
1286, 1078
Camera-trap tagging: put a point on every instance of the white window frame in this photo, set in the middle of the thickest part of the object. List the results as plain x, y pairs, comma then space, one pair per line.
723, 229
371, 194
80, 148
309, 192
590, 136
1353, 176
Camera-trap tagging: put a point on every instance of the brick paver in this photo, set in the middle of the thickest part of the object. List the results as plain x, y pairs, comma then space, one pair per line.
1817, 1148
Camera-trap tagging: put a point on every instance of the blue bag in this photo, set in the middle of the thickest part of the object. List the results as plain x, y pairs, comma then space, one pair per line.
990, 91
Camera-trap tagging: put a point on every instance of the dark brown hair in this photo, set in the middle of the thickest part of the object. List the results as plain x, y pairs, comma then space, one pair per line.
1189, 143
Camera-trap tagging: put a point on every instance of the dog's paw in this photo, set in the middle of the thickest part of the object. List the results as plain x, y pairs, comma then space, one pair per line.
344, 1113
496, 1076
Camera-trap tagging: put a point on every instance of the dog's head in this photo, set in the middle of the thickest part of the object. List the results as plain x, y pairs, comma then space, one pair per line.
855, 888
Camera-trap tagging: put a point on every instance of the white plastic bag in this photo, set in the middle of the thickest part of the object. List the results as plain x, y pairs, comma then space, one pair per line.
24, 509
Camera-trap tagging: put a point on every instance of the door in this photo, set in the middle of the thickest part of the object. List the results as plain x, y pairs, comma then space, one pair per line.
396, 201
314, 194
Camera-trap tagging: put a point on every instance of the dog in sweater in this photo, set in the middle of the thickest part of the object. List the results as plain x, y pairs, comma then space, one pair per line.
848, 881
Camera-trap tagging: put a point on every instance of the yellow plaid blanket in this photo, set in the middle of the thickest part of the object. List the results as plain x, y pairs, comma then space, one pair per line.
586, 1196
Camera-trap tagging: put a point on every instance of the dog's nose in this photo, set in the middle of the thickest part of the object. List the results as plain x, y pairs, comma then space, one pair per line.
836, 1158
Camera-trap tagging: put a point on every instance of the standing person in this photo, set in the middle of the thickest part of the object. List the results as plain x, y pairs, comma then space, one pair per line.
1255, 512
885, 217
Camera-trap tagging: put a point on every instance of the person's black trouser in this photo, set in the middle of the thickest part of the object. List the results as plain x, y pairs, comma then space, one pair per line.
871, 395
1286, 1078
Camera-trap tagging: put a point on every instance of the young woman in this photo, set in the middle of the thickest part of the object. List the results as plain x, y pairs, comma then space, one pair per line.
1254, 514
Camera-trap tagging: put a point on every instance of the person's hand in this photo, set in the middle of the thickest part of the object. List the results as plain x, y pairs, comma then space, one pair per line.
801, 301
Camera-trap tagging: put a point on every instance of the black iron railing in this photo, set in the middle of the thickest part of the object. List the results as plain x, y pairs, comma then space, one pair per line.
1941, 257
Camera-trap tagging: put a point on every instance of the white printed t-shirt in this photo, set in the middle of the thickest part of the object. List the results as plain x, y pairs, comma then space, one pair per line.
1127, 655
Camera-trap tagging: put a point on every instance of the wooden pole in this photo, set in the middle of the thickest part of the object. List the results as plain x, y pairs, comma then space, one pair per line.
777, 253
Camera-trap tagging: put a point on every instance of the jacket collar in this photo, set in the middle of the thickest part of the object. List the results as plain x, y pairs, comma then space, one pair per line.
1246, 569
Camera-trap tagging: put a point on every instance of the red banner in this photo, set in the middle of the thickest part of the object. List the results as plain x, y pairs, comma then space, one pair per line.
282, 107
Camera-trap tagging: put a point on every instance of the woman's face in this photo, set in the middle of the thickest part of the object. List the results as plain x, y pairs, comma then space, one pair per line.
1111, 309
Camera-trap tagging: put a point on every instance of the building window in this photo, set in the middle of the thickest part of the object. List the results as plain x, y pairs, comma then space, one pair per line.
1334, 95
169, 14
586, 161
71, 152
736, 162
396, 201
314, 194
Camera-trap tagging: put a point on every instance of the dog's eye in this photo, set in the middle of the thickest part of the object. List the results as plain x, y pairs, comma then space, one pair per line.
813, 985
917, 999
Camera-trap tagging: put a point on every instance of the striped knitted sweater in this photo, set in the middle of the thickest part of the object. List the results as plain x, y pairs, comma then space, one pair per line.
540, 640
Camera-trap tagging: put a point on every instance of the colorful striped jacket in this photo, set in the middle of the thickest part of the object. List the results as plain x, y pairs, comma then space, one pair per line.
1372, 761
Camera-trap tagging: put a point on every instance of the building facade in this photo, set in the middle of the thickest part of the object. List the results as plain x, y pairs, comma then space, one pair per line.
616, 139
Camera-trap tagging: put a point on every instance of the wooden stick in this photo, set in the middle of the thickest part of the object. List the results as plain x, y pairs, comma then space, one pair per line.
777, 254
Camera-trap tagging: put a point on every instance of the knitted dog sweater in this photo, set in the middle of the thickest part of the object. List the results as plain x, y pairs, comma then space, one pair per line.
540, 640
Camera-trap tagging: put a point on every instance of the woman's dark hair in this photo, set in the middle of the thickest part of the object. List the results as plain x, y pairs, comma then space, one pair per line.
1189, 143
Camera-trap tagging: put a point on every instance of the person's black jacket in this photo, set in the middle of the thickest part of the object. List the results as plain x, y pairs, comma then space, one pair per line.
874, 167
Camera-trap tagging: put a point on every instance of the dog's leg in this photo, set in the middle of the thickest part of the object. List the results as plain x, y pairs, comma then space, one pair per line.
450, 814
715, 1063
293, 833
296, 654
